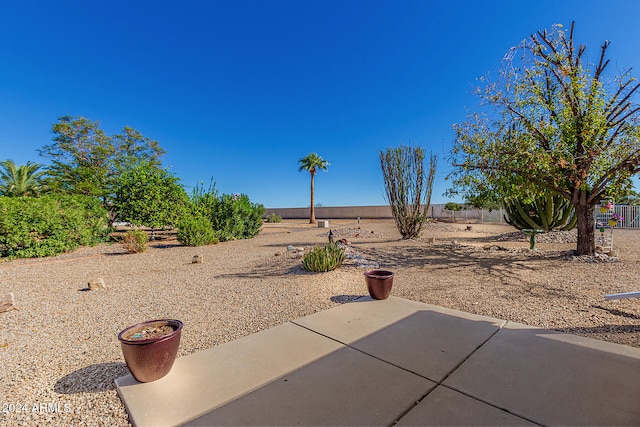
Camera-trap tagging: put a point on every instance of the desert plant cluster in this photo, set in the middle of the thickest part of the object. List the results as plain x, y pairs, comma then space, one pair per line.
95, 181
560, 139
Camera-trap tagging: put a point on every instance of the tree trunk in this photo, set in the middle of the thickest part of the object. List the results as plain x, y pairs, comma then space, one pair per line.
586, 227
312, 212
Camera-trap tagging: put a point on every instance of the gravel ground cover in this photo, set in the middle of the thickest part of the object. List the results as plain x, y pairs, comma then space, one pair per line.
59, 353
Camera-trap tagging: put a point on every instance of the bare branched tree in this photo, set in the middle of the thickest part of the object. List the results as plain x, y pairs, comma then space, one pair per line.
558, 124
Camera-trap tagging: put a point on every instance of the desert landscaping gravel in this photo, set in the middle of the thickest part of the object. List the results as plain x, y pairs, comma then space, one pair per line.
60, 355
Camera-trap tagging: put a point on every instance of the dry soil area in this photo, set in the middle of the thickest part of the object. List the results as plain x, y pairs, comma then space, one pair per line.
59, 353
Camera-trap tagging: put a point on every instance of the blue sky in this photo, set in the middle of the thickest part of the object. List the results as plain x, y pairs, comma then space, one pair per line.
238, 91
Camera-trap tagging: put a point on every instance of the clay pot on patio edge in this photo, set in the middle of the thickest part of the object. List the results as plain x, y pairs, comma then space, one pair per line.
379, 283
150, 359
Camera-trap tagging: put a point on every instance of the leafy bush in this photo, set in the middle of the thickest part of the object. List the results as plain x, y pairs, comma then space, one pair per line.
135, 241
235, 217
232, 216
148, 195
196, 231
453, 206
323, 258
273, 218
49, 225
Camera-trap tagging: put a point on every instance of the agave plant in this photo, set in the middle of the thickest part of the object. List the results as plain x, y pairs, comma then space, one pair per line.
323, 258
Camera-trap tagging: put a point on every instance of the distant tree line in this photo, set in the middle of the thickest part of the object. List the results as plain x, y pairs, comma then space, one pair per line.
123, 173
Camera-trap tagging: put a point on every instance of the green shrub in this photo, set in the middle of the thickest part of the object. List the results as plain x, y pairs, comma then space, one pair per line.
453, 206
323, 258
273, 218
135, 241
235, 217
232, 216
49, 225
150, 196
196, 231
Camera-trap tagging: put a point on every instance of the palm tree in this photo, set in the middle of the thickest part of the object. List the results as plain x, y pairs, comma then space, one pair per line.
23, 180
312, 163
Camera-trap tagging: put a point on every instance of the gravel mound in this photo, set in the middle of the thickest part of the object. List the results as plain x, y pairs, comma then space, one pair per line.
550, 237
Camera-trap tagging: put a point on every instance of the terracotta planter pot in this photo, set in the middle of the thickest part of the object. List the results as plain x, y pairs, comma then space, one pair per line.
151, 358
379, 283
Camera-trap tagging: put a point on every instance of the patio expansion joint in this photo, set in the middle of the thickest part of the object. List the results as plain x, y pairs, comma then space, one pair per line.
439, 383
363, 352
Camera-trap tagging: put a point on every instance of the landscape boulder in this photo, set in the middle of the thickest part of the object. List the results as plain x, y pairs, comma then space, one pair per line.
7, 303
97, 283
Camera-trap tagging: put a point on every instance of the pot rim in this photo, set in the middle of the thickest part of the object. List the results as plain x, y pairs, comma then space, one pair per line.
379, 274
173, 322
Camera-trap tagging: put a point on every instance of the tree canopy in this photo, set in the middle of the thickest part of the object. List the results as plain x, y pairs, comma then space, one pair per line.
85, 160
555, 123
22, 180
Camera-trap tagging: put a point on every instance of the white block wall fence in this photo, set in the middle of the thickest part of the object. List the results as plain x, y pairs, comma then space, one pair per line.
631, 214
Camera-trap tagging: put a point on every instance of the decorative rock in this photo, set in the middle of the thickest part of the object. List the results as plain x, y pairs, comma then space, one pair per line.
291, 248
96, 284
298, 255
278, 254
8, 303
197, 259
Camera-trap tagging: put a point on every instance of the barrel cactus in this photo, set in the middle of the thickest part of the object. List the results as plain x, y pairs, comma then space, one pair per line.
546, 213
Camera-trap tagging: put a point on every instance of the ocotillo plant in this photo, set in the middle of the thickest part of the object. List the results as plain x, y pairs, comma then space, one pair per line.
408, 184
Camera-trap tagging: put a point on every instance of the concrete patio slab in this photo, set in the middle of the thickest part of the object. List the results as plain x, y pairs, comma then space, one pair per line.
377, 362
208, 379
439, 338
445, 407
345, 388
554, 378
